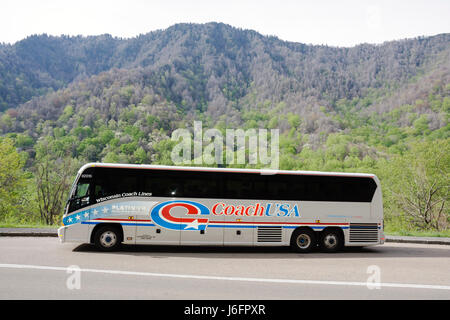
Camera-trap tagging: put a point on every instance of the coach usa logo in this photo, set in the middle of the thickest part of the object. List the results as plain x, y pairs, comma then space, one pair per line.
161, 215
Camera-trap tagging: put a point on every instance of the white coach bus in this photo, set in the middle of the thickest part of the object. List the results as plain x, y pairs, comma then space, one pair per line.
110, 204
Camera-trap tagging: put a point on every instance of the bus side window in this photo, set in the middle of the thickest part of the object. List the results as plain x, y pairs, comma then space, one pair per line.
278, 188
260, 187
103, 188
232, 188
200, 185
98, 191
173, 190
162, 184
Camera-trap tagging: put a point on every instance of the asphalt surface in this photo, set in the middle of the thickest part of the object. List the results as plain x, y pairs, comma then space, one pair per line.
43, 268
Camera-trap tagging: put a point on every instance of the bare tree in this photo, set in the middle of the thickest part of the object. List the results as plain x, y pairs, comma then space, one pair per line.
424, 199
421, 185
53, 178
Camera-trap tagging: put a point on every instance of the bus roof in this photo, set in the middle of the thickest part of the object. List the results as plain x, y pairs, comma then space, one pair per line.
211, 169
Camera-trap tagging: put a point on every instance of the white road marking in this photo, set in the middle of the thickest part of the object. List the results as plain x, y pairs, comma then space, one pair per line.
202, 277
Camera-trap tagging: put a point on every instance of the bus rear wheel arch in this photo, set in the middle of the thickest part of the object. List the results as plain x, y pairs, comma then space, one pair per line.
303, 240
331, 239
107, 237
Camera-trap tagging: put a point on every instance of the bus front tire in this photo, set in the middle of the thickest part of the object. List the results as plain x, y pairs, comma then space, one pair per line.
303, 240
107, 238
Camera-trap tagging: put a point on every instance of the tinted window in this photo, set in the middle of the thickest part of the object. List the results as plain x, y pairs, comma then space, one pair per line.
110, 181
321, 188
260, 186
297, 187
232, 185
201, 184
162, 183
168, 183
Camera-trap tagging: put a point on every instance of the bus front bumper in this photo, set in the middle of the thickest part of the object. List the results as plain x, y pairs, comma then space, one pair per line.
62, 233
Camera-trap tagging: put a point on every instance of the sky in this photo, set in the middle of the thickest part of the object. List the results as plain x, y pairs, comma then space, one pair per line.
335, 23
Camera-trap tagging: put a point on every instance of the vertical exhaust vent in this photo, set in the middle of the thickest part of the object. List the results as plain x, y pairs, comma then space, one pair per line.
269, 234
363, 232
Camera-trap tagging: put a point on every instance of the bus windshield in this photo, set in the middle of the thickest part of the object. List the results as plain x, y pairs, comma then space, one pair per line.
81, 196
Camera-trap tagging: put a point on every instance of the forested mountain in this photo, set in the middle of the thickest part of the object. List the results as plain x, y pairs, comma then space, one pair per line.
196, 60
215, 70
101, 98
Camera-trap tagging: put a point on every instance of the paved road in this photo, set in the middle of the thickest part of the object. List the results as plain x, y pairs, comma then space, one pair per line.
36, 268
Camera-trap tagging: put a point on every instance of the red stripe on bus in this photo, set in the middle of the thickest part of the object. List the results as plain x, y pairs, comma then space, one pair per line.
291, 223
121, 219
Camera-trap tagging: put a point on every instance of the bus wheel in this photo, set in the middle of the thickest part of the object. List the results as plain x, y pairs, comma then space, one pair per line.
303, 240
331, 240
107, 238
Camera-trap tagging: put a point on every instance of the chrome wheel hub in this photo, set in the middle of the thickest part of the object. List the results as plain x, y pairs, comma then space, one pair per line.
330, 241
303, 241
108, 239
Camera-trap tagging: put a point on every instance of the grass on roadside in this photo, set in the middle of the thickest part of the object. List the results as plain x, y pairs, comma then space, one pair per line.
413, 233
37, 225
400, 227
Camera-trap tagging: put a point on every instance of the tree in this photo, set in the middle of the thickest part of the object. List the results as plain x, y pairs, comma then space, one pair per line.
419, 184
140, 156
12, 179
53, 177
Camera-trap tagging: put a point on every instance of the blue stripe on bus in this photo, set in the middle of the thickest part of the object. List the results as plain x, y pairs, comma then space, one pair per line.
294, 227
216, 226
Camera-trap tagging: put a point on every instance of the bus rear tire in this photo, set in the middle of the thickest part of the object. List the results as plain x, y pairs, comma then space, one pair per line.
107, 238
331, 240
303, 240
